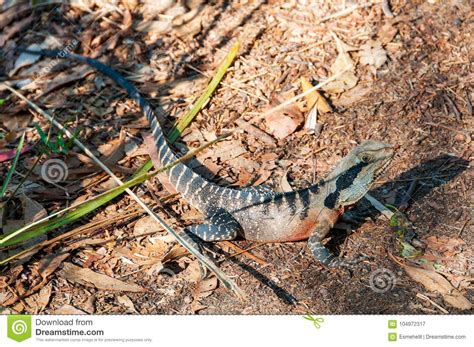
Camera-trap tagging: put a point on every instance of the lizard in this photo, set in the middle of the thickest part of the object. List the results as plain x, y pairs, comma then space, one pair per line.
258, 213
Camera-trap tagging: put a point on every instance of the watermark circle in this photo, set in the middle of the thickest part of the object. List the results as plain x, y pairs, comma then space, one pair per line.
54, 171
382, 280
19, 327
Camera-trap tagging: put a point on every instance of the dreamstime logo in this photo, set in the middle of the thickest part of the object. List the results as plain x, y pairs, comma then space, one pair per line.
19, 327
54, 171
382, 280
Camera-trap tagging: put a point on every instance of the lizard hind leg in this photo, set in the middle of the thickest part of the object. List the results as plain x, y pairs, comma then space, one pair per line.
221, 226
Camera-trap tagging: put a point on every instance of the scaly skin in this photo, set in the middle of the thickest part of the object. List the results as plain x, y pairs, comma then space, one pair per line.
257, 213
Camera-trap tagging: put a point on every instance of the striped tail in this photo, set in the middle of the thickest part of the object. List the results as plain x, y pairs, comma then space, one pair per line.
182, 177
185, 180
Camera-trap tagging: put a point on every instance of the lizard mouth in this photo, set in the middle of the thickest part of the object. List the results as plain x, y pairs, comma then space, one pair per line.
386, 162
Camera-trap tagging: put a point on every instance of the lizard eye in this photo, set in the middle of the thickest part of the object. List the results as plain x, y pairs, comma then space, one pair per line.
365, 158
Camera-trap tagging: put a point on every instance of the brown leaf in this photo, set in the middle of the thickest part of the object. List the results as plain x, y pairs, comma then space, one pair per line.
434, 282
373, 54
343, 62
50, 263
44, 296
209, 284
68, 309
387, 33
33, 210
192, 273
352, 96
89, 278
283, 122
225, 151
444, 244
256, 132
66, 78
314, 98
37, 302
125, 301
146, 225
203, 290
113, 151
176, 252
14, 29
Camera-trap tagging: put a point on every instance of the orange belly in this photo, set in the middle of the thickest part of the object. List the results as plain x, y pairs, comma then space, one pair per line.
304, 228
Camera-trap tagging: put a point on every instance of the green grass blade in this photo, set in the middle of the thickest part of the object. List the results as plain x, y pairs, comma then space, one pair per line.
12, 168
184, 122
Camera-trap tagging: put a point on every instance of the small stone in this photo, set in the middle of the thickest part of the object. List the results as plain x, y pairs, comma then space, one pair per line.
460, 137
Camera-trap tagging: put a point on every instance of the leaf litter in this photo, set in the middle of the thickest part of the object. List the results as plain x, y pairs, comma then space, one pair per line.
271, 69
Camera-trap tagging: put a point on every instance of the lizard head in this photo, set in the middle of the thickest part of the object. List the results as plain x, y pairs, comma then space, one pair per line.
353, 176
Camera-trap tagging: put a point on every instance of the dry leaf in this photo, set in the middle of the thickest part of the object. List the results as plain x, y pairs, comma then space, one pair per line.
50, 263
285, 121
434, 282
373, 54
314, 98
125, 301
205, 288
176, 252
352, 96
68, 77
444, 244
192, 273
88, 277
37, 302
387, 33
33, 210
311, 123
26, 59
343, 62
113, 151
14, 29
68, 309
146, 225
43, 297
154, 27
224, 151
284, 185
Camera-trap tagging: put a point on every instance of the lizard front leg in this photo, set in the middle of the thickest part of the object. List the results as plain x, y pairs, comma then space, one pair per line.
321, 253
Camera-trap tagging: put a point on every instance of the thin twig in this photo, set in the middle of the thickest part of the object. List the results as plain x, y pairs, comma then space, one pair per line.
387, 11
379, 206
244, 252
299, 96
344, 12
424, 297
462, 227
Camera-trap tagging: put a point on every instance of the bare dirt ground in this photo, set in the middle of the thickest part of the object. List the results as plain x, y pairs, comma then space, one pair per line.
410, 86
